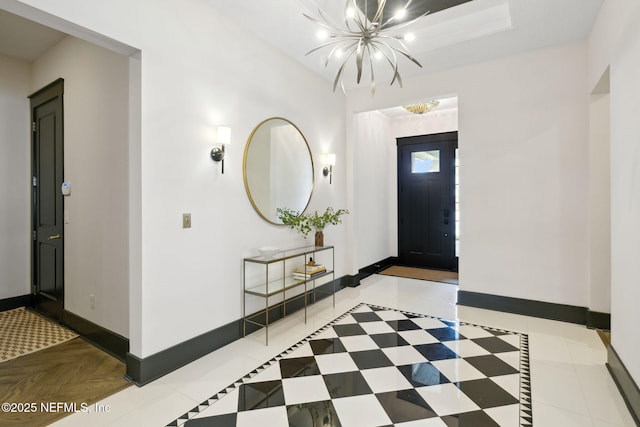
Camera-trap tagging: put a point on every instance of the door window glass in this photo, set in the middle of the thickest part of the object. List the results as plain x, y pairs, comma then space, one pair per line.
425, 161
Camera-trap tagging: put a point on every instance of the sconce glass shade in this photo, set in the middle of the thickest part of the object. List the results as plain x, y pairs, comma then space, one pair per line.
223, 135
331, 159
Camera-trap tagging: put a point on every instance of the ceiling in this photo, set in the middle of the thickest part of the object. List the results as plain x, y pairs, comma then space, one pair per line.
470, 32
24, 39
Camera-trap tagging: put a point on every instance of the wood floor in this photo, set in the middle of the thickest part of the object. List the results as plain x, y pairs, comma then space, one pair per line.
71, 372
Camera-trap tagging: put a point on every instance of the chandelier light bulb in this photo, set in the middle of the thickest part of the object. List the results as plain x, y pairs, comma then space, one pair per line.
322, 34
400, 14
409, 37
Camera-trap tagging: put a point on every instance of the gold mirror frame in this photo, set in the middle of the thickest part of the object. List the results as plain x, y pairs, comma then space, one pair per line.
245, 171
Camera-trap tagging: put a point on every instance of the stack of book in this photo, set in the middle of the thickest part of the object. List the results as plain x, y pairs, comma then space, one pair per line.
307, 271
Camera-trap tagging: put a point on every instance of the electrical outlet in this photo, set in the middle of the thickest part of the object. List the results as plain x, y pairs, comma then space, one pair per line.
186, 220
92, 301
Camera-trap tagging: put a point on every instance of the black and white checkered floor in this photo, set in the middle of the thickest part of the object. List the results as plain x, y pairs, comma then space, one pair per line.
376, 366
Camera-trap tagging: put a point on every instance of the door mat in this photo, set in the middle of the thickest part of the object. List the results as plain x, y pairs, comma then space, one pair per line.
450, 277
22, 332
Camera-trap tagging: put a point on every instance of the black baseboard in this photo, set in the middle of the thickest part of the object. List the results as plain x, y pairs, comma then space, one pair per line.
625, 382
376, 267
15, 302
150, 368
109, 341
597, 320
545, 310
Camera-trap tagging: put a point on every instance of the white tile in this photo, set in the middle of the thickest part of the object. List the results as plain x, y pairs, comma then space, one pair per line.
446, 399
303, 351
466, 348
304, 389
555, 384
470, 332
376, 327
458, 370
429, 323
276, 417
506, 416
385, 379
359, 343
336, 362
511, 357
225, 405
511, 383
403, 355
359, 411
430, 422
268, 374
550, 416
418, 336
391, 315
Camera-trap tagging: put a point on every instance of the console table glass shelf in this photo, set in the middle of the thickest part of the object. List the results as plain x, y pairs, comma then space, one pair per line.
277, 278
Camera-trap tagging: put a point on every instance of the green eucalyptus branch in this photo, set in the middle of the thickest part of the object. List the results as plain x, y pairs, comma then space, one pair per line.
304, 223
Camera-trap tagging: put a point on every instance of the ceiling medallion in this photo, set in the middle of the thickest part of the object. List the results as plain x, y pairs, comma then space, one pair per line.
364, 35
422, 107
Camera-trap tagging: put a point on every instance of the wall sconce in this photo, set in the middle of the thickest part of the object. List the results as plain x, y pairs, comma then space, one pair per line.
223, 138
331, 162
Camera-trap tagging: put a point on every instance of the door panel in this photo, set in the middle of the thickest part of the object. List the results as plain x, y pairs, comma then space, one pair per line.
426, 201
48, 210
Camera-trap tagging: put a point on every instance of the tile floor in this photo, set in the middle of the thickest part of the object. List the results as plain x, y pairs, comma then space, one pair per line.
570, 383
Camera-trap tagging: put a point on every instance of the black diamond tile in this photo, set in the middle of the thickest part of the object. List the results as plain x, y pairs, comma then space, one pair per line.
485, 393
405, 405
403, 325
436, 351
470, 419
370, 359
327, 346
299, 367
260, 395
349, 330
423, 374
346, 384
390, 339
226, 420
312, 414
366, 317
494, 345
446, 334
491, 365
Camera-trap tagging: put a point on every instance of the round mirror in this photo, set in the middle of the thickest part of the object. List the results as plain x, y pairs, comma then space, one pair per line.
277, 168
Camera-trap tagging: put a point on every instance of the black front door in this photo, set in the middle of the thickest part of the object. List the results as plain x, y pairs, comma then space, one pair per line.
426, 200
48, 211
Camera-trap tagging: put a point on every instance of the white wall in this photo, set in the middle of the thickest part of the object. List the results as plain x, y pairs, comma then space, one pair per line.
199, 71
15, 167
96, 98
615, 43
599, 203
523, 147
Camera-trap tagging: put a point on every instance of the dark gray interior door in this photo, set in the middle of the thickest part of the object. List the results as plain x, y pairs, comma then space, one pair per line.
426, 201
48, 209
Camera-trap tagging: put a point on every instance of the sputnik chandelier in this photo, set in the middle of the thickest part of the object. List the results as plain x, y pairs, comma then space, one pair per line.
365, 39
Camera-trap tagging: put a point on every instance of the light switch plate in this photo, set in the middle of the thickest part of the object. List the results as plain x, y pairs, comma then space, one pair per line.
186, 220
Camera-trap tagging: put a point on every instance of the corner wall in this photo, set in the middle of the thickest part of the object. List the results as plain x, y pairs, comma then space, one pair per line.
96, 132
15, 170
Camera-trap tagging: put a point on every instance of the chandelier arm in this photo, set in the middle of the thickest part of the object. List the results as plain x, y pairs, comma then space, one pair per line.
335, 48
327, 26
379, 13
359, 57
386, 25
393, 61
406, 55
340, 72
331, 43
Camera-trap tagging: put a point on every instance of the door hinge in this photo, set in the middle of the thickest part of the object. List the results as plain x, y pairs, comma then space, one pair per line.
35, 235
33, 126
35, 181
